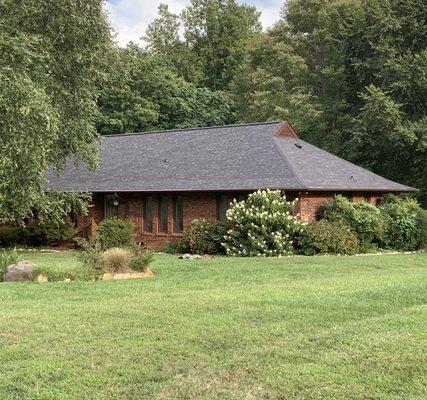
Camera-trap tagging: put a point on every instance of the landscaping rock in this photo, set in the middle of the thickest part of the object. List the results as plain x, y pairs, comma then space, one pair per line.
127, 275
42, 278
21, 271
191, 257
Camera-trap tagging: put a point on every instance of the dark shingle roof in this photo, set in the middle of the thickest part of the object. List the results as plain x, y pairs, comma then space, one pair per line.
234, 157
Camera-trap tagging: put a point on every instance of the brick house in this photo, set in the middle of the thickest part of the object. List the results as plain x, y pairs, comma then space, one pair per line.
164, 180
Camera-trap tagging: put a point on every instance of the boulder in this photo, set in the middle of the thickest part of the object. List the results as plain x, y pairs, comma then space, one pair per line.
21, 271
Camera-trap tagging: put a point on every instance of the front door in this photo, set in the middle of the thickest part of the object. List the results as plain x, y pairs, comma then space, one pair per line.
110, 208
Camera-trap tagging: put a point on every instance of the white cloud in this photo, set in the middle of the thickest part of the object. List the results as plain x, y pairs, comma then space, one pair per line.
130, 18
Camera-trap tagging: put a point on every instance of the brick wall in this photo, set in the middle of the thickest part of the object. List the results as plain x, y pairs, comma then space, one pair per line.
310, 204
196, 206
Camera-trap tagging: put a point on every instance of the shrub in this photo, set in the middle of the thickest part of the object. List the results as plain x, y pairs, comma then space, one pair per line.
364, 219
60, 273
405, 223
91, 255
325, 237
141, 261
262, 225
116, 260
52, 234
8, 257
10, 235
171, 248
38, 233
203, 237
115, 233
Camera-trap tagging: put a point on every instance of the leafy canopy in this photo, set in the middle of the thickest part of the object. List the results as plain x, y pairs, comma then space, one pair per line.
52, 57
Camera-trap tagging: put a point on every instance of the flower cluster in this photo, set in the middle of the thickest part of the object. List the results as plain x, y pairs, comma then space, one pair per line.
262, 225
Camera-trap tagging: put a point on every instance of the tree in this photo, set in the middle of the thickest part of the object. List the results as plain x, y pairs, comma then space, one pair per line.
350, 75
52, 57
218, 32
148, 95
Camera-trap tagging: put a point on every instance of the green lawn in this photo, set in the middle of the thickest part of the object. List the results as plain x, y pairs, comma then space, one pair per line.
290, 328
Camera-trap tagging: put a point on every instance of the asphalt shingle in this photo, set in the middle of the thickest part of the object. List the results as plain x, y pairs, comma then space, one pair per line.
234, 157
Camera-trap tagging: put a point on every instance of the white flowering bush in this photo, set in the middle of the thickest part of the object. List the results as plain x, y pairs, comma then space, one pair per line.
262, 225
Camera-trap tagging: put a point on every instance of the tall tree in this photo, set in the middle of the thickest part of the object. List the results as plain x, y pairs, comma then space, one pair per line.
219, 31
52, 57
343, 59
146, 95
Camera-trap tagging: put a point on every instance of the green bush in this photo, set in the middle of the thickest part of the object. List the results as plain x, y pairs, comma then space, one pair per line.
91, 255
140, 261
115, 232
405, 223
60, 273
364, 219
53, 234
203, 237
325, 237
38, 233
172, 248
262, 225
8, 257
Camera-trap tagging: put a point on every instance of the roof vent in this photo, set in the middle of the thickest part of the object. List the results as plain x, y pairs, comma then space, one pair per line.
298, 145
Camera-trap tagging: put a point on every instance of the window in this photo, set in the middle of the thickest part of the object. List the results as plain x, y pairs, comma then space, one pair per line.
148, 214
368, 197
222, 207
163, 213
178, 214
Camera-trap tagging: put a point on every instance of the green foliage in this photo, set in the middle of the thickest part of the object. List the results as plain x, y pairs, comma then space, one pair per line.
345, 72
171, 248
203, 237
54, 234
8, 257
60, 273
364, 219
144, 94
115, 232
53, 57
262, 225
405, 223
43, 232
91, 255
141, 261
326, 237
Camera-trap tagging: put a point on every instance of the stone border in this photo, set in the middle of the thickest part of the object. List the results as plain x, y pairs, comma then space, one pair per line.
128, 275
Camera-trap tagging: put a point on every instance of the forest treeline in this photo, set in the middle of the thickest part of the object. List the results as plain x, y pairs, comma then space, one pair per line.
351, 76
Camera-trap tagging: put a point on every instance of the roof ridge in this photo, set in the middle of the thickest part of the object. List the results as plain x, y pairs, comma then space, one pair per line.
287, 163
192, 129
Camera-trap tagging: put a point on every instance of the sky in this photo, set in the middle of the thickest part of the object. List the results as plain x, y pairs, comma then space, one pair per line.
130, 18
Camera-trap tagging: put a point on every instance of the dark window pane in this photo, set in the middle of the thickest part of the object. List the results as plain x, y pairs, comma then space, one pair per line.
178, 214
148, 214
222, 207
163, 214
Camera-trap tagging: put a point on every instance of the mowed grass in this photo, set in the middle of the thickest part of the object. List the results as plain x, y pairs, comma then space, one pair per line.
290, 328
